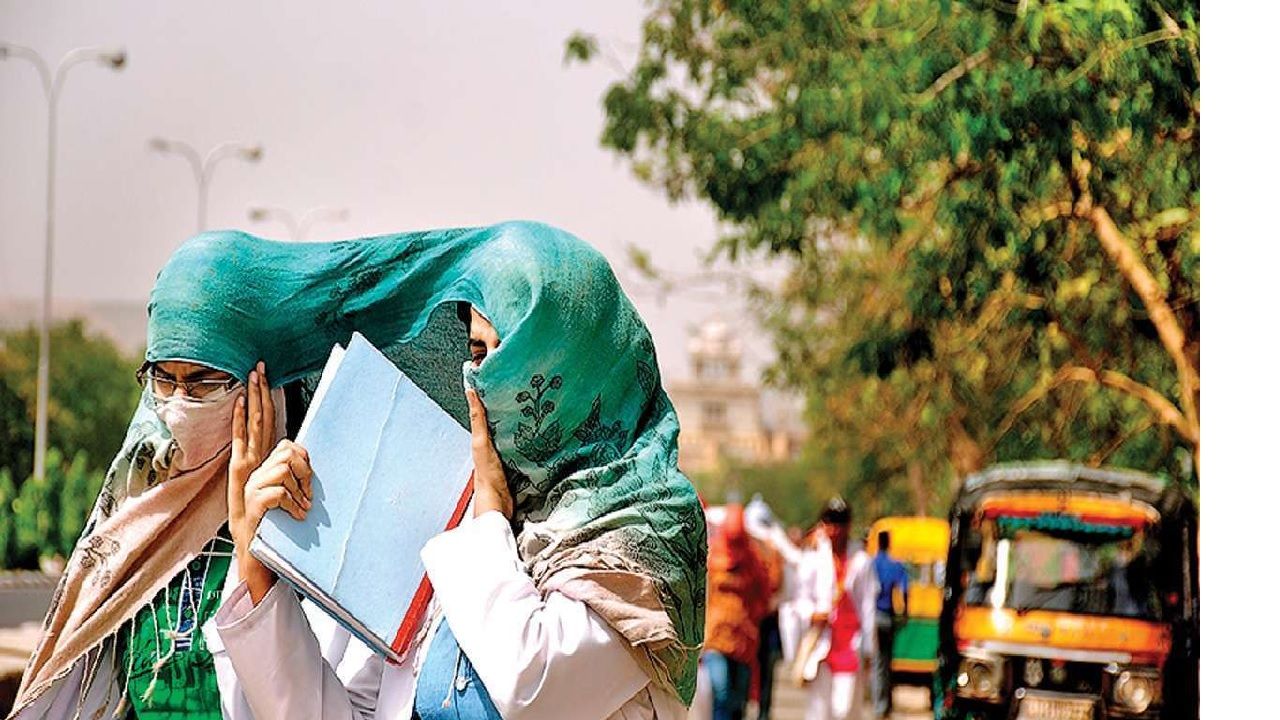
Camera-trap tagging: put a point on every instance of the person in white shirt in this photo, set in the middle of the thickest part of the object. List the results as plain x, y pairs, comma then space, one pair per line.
495, 645
795, 608
841, 586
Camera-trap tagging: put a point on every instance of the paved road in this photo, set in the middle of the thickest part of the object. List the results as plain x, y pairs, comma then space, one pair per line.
24, 597
789, 704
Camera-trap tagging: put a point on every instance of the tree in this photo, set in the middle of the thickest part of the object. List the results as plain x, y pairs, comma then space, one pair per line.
8, 539
44, 518
92, 395
78, 492
17, 432
991, 210
35, 514
796, 507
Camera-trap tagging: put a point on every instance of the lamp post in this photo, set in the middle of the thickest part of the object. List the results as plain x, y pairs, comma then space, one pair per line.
202, 167
113, 58
298, 228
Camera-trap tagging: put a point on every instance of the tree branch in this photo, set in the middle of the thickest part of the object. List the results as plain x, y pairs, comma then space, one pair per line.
953, 75
1166, 412
1119, 48
1101, 456
1169, 330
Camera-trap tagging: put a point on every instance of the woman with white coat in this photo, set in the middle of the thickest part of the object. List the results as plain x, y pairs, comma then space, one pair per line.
587, 550
526, 655
577, 588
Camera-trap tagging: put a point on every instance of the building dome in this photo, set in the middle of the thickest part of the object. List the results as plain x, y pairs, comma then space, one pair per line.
715, 339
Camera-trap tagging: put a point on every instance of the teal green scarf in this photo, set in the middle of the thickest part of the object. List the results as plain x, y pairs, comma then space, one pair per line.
572, 392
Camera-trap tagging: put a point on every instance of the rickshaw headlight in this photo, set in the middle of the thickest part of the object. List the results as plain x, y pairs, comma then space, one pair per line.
1134, 691
980, 678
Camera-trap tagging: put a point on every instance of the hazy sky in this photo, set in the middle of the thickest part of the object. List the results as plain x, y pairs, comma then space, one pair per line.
411, 114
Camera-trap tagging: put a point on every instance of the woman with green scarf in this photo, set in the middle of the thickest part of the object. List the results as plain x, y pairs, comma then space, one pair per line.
576, 589
123, 633
601, 522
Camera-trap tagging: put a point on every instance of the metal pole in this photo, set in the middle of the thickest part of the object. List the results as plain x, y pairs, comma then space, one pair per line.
115, 59
202, 200
46, 301
202, 167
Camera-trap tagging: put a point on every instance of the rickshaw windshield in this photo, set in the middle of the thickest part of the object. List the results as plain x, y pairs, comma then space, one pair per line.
1063, 565
930, 574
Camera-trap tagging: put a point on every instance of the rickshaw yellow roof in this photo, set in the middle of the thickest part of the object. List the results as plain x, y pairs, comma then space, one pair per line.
914, 539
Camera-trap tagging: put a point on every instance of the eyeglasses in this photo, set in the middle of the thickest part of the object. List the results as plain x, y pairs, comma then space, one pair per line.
164, 386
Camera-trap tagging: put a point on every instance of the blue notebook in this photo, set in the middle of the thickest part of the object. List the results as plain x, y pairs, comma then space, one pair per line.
392, 470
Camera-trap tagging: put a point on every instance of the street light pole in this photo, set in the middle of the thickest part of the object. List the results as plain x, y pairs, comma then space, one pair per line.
298, 228
202, 167
52, 82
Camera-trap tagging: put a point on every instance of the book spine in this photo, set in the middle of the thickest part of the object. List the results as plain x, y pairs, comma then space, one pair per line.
418, 608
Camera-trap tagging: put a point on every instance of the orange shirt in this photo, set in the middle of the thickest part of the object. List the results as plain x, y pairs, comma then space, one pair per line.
738, 595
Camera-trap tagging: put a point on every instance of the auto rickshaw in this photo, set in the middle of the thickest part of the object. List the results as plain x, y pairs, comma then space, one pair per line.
919, 543
1071, 593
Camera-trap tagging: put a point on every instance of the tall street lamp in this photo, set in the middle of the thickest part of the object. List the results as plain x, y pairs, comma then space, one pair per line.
52, 81
202, 167
298, 228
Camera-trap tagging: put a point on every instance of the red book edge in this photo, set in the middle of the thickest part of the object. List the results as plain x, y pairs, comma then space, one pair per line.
418, 608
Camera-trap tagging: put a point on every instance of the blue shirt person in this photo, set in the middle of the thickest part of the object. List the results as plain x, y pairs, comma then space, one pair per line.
891, 574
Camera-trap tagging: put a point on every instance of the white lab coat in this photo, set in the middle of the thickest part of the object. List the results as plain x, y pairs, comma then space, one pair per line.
540, 657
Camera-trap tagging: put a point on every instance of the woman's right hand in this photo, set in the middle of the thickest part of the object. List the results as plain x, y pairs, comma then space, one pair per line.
256, 484
490, 479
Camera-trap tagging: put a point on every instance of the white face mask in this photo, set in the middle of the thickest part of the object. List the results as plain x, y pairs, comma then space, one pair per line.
201, 429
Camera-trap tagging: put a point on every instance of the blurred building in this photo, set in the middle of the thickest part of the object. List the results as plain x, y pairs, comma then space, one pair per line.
724, 416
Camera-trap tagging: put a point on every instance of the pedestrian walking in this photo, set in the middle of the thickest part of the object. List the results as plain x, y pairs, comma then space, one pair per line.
794, 608
842, 582
767, 535
737, 599
890, 575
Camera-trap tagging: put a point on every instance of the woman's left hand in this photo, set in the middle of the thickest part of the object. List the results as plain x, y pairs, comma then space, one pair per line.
491, 491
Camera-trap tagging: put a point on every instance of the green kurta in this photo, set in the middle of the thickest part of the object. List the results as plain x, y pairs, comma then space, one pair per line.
170, 628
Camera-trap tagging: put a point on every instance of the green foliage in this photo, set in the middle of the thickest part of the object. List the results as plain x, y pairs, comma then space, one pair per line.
792, 508
35, 514
581, 48
92, 398
76, 496
44, 518
8, 536
17, 431
935, 173
92, 395
797, 490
